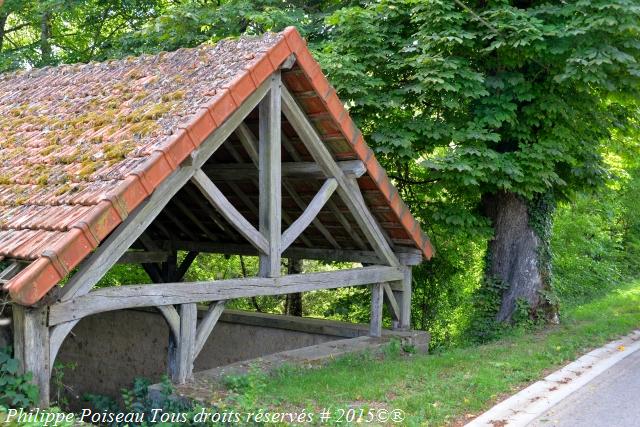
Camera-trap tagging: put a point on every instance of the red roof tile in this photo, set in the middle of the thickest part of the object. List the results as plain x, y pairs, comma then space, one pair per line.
83, 145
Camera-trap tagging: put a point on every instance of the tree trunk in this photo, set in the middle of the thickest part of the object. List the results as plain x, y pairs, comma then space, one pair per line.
293, 303
45, 35
518, 254
3, 24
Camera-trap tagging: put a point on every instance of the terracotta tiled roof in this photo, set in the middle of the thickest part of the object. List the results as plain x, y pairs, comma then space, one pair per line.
84, 145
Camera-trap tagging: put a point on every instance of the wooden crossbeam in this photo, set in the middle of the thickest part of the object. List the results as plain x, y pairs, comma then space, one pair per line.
229, 212
350, 195
390, 298
316, 222
302, 170
309, 214
121, 297
406, 255
142, 257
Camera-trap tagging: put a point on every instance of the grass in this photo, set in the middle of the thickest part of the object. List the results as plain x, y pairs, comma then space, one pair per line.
454, 385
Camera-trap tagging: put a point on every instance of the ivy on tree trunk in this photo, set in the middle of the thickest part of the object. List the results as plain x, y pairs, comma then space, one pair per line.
518, 254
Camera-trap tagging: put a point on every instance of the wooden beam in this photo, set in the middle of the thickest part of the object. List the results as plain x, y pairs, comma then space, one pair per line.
300, 170
57, 335
316, 222
9, 272
330, 204
270, 181
249, 143
181, 368
241, 194
196, 197
206, 326
350, 195
375, 323
406, 255
121, 297
31, 347
229, 212
185, 264
403, 296
390, 298
108, 253
172, 318
143, 257
309, 214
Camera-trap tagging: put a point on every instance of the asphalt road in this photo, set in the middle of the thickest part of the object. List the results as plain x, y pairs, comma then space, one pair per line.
611, 400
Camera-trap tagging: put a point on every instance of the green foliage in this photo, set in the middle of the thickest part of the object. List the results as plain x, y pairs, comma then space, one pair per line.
443, 387
138, 400
464, 99
16, 390
57, 382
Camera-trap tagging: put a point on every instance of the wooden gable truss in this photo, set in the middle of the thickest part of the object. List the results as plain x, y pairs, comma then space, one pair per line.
40, 330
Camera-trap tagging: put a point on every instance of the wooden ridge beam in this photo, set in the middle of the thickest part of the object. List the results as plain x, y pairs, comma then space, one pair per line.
131, 296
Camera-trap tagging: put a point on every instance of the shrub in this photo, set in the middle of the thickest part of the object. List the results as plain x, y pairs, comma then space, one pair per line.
16, 390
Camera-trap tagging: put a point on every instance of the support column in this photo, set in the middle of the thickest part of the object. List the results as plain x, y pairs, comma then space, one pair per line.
31, 346
181, 353
377, 299
403, 297
269, 163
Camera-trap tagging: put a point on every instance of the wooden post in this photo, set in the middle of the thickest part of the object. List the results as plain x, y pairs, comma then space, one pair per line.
404, 301
31, 346
269, 164
181, 353
377, 296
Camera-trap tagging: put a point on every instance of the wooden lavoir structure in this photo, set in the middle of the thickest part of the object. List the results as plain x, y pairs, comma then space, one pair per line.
238, 148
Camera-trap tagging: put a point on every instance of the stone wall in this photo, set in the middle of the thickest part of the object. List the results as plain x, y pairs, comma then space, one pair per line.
110, 349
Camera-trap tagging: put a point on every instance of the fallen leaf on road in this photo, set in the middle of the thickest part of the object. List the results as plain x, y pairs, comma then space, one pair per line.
620, 348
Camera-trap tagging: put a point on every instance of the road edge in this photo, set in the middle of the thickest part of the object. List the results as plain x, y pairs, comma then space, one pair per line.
531, 402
